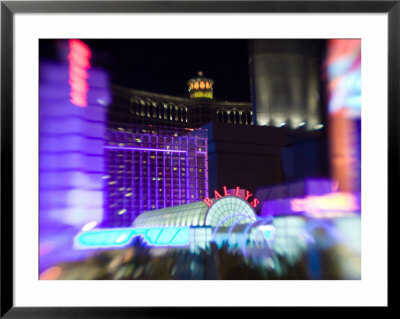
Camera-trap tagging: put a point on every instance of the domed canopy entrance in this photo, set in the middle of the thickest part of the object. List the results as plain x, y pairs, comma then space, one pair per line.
223, 212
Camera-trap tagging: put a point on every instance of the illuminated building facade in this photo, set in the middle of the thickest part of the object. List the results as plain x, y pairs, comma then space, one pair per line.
285, 83
147, 108
155, 154
73, 100
152, 168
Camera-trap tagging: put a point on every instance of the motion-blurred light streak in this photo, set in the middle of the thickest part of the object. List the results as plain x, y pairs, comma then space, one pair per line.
343, 70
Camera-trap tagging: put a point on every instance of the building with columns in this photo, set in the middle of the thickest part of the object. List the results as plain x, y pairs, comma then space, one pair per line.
192, 111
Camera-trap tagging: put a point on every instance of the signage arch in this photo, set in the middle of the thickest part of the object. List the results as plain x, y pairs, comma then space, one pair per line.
229, 206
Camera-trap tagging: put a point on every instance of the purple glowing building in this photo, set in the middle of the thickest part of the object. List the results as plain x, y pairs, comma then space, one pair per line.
73, 102
150, 168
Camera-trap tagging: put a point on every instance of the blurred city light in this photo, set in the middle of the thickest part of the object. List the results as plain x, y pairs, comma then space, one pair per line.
125, 177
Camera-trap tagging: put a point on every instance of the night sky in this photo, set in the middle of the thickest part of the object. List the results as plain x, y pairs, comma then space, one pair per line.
165, 65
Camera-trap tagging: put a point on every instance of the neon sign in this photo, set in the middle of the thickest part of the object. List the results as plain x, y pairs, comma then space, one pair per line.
233, 192
121, 237
79, 63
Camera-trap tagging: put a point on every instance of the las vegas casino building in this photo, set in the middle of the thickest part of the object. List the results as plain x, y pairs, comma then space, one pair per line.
192, 111
156, 151
152, 168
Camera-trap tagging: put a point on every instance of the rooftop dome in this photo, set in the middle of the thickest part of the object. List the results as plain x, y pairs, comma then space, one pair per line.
200, 87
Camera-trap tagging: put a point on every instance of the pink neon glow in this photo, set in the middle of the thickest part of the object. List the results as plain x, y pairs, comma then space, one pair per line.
79, 63
46, 247
51, 273
338, 48
343, 202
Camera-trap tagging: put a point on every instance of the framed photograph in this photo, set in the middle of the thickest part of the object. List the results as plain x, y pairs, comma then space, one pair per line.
161, 157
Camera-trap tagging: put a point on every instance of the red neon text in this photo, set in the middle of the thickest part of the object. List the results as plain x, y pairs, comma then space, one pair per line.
79, 63
246, 195
226, 193
208, 201
217, 195
254, 202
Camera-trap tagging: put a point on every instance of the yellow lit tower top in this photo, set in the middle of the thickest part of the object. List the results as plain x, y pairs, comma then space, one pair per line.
200, 87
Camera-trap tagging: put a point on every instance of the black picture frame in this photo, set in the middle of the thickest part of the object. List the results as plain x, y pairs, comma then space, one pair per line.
9, 8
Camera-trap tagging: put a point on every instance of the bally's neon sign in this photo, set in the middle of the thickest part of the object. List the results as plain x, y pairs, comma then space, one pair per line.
247, 194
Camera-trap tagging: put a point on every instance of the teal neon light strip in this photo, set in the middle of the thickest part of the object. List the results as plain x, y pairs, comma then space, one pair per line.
120, 237
104, 238
152, 234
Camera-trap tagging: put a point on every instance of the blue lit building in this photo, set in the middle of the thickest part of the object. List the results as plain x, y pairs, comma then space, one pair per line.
150, 168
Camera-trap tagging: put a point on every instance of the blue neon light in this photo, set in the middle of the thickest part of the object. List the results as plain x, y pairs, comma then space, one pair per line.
104, 238
152, 234
168, 236
181, 237
114, 238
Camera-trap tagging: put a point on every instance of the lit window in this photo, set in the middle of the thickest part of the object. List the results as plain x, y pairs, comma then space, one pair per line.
202, 85
196, 85
122, 211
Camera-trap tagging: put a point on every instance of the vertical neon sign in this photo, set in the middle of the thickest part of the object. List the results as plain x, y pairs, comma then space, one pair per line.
79, 64
343, 68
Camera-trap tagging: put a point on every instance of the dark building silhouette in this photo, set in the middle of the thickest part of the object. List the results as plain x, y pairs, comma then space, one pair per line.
288, 91
245, 156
